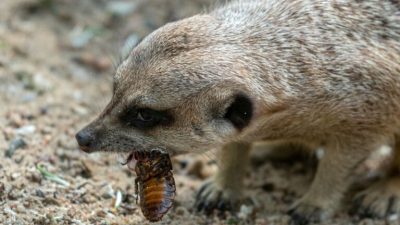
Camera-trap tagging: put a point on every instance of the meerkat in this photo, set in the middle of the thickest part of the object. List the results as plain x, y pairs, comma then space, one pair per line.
323, 73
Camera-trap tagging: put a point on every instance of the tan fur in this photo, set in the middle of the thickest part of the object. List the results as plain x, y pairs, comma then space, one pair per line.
322, 73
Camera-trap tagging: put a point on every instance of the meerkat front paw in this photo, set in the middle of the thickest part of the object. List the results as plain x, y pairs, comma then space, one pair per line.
302, 213
379, 200
212, 196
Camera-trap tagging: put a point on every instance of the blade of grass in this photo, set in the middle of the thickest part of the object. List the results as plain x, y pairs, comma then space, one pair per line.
50, 176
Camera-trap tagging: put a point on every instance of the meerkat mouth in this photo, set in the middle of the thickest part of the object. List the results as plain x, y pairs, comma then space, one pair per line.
129, 159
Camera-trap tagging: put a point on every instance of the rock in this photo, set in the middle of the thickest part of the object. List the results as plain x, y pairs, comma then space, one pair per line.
34, 176
102, 64
97, 63
9, 211
41, 84
26, 130
85, 170
121, 8
20, 208
2, 190
88, 199
245, 211
15, 176
26, 78
33, 82
14, 194
80, 37
393, 218
66, 142
46, 130
51, 201
181, 211
108, 192
15, 119
118, 199
29, 97
15, 144
40, 193
100, 213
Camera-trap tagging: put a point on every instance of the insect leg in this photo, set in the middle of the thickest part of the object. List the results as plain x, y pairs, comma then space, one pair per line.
137, 189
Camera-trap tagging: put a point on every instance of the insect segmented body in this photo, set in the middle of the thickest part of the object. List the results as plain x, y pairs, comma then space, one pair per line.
155, 184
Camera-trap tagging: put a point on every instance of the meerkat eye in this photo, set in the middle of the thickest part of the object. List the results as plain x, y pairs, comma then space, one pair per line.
240, 111
145, 115
144, 118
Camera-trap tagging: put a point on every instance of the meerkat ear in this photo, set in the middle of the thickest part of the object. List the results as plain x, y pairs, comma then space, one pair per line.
240, 111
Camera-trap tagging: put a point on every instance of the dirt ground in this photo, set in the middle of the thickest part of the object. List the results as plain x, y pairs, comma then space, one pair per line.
57, 58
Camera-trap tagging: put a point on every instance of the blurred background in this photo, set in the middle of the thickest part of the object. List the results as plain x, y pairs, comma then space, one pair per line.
57, 59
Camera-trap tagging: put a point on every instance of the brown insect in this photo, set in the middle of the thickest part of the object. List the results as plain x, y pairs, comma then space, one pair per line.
154, 184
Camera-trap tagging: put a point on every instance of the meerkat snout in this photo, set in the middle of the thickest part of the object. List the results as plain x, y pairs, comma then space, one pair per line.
84, 139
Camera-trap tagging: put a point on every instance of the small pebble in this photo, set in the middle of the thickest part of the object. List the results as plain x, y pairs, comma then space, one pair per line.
121, 8
51, 201
15, 144
14, 194
393, 217
101, 213
26, 130
180, 210
118, 199
29, 97
40, 193
94, 62
80, 110
89, 199
15, 175
80, 37
44, 110
2, 188
9, 211
108, 192
129, 208
20, 208
245, 211
34, 177
41, 84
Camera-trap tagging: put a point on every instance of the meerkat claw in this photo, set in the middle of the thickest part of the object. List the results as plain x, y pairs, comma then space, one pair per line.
381, 200
303, 214
210, 199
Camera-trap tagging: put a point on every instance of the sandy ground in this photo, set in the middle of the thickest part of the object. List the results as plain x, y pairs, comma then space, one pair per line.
56, 63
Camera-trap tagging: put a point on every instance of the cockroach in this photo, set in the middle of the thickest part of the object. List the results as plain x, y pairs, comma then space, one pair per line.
154, 184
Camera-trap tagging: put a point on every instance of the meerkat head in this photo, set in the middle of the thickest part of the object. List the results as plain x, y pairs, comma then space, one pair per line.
183, 89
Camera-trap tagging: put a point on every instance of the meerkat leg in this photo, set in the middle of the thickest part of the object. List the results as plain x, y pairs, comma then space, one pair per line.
223, 191
382, 199
334, 176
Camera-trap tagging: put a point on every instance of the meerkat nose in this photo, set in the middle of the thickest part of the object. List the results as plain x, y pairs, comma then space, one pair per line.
85, 139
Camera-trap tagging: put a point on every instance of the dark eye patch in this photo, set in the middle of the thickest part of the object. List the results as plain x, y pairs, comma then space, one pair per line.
240, 112
144, 118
